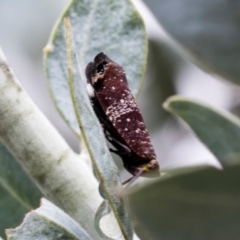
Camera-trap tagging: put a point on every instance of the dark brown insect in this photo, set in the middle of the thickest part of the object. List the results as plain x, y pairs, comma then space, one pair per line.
119, 115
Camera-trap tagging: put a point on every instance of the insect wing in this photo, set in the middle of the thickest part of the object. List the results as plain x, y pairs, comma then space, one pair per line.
117, 102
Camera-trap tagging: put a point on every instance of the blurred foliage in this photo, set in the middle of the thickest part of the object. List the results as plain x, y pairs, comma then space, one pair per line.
18, 194
195, 204
199, 203
218, 130
162, 67
208, 30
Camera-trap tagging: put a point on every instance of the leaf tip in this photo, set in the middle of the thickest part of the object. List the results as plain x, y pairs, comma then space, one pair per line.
48, 48
167, 105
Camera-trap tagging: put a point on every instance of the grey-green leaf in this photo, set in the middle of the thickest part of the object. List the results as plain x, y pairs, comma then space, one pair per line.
113, 27
197, 205
104, 167
209, 30
218, 130
46, 223
18, 194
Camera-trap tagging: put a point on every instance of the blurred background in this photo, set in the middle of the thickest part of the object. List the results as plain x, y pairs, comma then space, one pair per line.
25, 28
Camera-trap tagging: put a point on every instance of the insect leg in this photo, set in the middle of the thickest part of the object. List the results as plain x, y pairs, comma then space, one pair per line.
132, 179
118, 145
122, 149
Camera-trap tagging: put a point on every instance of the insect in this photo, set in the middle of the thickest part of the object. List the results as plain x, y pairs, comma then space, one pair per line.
119, 115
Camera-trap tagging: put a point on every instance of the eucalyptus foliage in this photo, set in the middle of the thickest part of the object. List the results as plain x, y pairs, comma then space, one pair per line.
85, 197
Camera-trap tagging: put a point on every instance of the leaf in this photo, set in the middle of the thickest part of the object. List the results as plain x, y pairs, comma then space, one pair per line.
112, 27
104, 167
219, 131
18, 194
194, 204
47, 222
208, 30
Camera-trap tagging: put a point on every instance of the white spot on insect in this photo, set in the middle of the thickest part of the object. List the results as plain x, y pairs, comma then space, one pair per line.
106, 97
115, 77
119, 120
137, 130
121, 80
125, 129
121, 107
113, 88
90, 91
110, 118
128, 119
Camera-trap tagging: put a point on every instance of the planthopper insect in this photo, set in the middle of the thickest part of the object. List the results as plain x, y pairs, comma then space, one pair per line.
119, 115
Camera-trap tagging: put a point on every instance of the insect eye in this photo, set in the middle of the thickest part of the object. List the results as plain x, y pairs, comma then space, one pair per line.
101, 66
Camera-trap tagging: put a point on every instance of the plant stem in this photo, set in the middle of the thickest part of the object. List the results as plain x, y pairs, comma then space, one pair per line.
60, 173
